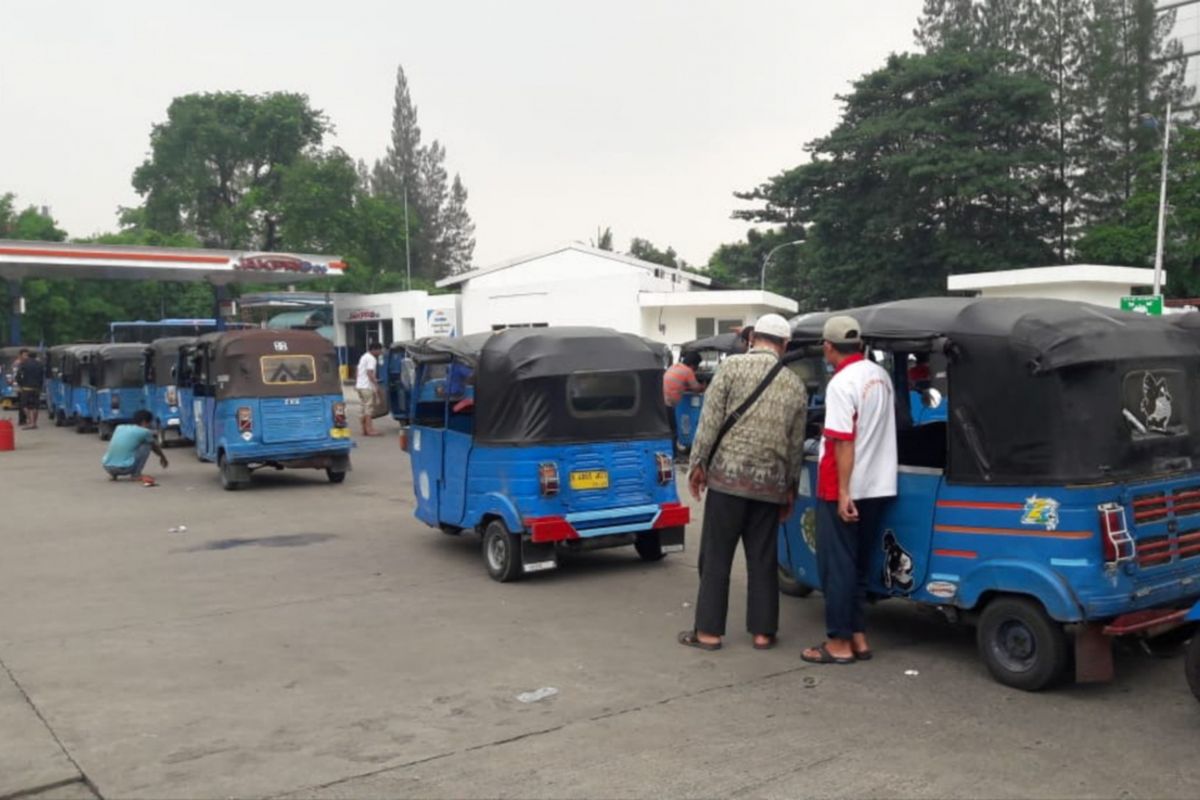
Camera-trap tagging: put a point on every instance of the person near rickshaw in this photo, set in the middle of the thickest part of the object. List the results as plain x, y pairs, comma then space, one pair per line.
366, 383
748, 454
679, 379
130, 447
30, 378
856, 477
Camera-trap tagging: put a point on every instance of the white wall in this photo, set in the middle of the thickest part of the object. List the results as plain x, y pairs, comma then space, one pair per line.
569, 264
609, 301
1101, 294
680, 322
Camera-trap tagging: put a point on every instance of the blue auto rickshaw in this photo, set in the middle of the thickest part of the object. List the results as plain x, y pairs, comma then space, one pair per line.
78, 391
269, 398
163, 395
57, 402
1061, 493
544, 441
8, 378
118, 375
712, 350
395, 374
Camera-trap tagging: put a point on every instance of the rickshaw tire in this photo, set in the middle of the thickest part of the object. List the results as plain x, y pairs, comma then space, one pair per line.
1052, 649
649, 546
60, 420
335, 477
1191, 665
508, 565
228, 482
790, 586
104, 431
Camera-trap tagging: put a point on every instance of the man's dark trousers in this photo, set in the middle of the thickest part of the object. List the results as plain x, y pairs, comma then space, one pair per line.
728, 519
843, 558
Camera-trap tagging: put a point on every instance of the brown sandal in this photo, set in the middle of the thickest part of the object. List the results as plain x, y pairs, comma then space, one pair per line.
691, 639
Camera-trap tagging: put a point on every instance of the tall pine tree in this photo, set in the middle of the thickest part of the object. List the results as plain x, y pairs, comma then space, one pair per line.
459, 230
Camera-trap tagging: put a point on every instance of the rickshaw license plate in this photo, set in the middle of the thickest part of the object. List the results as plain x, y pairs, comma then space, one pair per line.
589, 479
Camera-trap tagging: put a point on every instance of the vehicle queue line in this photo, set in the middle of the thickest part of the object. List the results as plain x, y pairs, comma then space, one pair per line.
246, 399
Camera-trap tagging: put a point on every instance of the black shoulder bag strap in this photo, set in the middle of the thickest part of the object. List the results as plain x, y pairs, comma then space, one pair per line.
741, 410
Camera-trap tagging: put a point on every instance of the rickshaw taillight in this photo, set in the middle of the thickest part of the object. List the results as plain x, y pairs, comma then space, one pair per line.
172, 396
116, 401
245, 419
339, 415
548, 478
666, 468
1114, 533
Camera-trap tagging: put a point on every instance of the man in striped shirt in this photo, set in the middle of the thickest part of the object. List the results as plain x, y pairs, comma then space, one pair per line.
679, 378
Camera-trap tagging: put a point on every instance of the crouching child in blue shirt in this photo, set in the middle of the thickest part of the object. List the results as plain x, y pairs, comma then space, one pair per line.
130, 447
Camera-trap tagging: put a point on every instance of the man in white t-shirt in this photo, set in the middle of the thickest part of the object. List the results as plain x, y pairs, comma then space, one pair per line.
856, 477
366, 381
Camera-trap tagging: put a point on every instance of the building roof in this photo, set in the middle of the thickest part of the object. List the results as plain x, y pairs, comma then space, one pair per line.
624, 258
21, 259
1040, 276
725, 297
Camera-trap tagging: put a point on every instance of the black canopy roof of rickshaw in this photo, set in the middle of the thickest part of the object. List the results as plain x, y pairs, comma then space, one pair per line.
721, 343
231, 354
164, 352
1047, 334
444, 348
121, 352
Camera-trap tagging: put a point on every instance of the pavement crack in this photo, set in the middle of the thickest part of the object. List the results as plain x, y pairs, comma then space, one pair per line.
360, 775
751, 787
83, 778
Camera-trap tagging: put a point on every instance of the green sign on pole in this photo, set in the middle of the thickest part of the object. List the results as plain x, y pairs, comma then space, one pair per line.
1151, 304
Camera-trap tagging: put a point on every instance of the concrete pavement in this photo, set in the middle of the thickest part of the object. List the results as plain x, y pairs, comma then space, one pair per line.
302, 639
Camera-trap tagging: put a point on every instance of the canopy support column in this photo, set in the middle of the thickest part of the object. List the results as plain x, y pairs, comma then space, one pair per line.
220, 299
16, 308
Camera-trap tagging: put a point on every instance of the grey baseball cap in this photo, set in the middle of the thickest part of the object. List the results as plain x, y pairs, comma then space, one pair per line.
842, 330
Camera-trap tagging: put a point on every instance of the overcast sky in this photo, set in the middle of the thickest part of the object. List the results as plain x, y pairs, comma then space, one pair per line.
561, 116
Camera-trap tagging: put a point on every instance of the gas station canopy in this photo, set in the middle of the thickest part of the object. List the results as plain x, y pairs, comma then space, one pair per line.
20, 260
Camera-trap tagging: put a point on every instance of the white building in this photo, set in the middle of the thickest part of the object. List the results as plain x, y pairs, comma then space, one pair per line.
580, 285
1089, 283
359, 319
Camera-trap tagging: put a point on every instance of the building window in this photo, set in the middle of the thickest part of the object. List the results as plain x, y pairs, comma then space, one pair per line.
710, 326
521, 325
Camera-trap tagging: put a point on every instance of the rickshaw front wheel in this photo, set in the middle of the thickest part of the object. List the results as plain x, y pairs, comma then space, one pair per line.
335, 477
1192, 666
648, 546
501, 552
1021, 646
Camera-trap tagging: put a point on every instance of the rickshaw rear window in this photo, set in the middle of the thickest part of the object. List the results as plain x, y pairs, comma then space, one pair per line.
602, 394
288, 369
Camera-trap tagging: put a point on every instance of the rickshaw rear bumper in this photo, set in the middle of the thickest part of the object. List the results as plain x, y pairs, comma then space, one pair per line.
291, 454
608, 522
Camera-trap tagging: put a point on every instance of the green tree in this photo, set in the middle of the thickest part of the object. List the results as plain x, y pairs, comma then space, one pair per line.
216, 165
1130, 238
932, 169
646, 251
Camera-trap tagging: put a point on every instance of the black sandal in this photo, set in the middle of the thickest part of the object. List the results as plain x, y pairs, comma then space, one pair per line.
863, 655
772, 640
826, 657
690, 639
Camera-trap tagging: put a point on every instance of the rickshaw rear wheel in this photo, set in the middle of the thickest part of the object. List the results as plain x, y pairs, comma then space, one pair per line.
1021, 646
501, 552
1191, 666
229, 474
60, 420
790, 586
335, 477
648, 546
105, 430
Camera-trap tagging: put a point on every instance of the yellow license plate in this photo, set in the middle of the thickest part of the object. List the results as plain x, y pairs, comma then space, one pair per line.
590, 479
339, 433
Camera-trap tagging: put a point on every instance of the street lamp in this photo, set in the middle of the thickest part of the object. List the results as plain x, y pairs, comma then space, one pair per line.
1162, 198
762, 285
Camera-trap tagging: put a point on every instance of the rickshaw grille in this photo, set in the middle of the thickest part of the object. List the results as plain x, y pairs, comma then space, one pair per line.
1160, 506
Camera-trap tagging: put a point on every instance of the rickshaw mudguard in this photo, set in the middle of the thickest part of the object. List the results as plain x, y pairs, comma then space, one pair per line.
1021, 577
494, 504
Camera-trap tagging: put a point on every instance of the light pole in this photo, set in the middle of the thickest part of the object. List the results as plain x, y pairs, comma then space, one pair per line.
762, 285
1162, 205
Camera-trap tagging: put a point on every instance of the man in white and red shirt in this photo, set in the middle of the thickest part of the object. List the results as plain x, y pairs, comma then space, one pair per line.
856, 478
